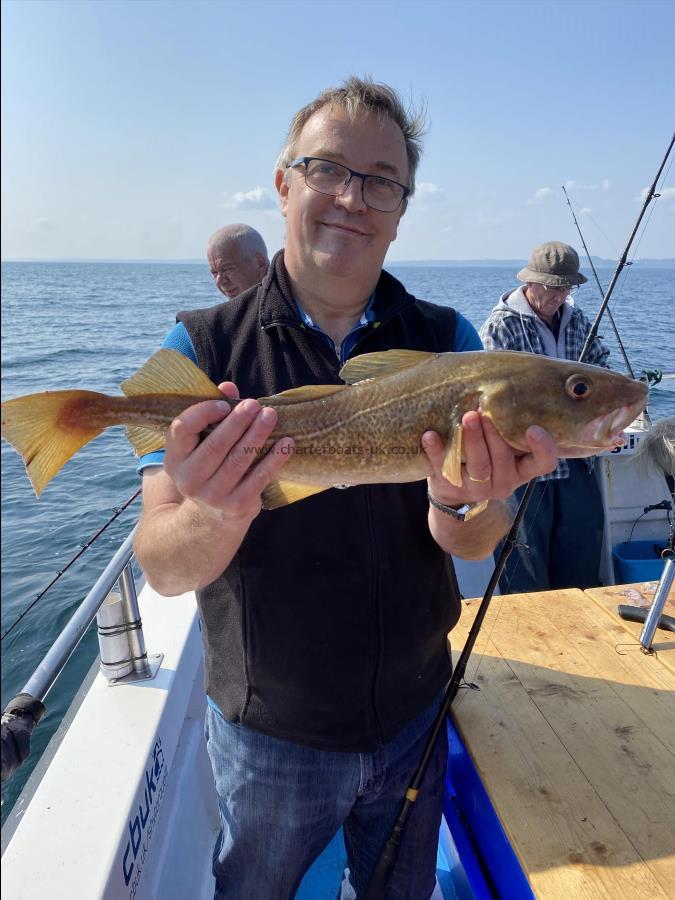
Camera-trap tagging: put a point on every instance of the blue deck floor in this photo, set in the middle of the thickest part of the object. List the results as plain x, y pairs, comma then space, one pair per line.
323, 879
475, 860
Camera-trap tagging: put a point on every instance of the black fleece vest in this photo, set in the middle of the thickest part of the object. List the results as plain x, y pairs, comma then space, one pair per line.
329, 626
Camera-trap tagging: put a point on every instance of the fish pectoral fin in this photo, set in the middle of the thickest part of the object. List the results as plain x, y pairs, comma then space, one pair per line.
281, 493
385, 362
169, 372
145, 440
452, 460
302, 394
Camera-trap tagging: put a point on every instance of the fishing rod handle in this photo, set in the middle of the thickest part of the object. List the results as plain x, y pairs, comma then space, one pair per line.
378, 880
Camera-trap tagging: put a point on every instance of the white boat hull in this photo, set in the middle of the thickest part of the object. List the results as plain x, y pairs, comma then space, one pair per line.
124, 805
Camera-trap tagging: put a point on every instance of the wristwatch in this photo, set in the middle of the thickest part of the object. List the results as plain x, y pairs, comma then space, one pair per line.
462, 513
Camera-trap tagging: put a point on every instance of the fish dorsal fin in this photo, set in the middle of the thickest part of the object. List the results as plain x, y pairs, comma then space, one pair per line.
145, 440
281, 493
377, 365
452, 459
169, 372
302, 394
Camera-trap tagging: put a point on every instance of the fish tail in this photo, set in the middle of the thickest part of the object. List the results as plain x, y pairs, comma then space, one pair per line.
47, 429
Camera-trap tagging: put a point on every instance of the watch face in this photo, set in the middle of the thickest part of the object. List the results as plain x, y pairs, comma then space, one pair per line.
461, 513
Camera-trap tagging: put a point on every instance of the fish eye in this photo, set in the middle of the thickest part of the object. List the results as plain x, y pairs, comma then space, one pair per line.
578, 387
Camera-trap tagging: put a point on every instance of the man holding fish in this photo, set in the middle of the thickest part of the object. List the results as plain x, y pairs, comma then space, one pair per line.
325, 621
325, 612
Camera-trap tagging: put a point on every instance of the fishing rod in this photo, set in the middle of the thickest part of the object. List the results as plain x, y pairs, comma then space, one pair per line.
385, 863
651, 195
600, 288
117, 511
386, 860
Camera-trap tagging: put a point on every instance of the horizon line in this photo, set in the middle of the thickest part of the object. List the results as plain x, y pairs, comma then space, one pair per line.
196, 261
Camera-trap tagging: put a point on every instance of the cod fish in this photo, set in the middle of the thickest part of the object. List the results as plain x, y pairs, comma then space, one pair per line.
365, 431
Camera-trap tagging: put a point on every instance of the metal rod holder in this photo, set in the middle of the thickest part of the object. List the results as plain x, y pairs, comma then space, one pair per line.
134, 664
132, 614
48, 670
113, 638
660, 597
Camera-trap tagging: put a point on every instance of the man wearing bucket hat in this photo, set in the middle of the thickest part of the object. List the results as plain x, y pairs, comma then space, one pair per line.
561, 535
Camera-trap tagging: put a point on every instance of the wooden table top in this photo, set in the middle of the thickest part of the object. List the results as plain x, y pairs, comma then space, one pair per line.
640, 595
573, 734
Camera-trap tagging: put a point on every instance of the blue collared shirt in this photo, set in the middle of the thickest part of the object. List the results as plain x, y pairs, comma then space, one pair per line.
342, 352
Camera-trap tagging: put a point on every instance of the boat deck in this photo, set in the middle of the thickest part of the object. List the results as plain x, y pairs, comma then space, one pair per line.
573, 735
568, 791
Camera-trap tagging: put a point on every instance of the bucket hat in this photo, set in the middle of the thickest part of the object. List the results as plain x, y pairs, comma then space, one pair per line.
553, 263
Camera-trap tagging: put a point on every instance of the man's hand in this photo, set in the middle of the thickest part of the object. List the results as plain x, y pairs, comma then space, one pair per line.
224, 474
199, 506
493, 469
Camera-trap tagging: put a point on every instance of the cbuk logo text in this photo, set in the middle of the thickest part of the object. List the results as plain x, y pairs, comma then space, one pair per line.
142, 821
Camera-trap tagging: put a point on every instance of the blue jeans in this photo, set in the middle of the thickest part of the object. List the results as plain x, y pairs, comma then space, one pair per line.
281, 804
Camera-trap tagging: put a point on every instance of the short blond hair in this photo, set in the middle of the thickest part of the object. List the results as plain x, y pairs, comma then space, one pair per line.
360, 96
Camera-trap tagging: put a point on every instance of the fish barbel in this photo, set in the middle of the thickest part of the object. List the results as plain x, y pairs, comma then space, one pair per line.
367, 430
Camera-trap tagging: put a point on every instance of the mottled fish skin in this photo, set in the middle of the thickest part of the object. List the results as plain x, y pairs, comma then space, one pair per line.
371, 431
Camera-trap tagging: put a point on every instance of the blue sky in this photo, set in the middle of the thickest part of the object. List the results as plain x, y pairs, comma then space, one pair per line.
134, 129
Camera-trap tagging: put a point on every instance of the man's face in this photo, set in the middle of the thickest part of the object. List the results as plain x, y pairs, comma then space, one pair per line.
231, 273
545, 301
341, 235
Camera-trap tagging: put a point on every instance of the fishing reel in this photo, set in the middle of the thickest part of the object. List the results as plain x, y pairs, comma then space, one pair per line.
651, 376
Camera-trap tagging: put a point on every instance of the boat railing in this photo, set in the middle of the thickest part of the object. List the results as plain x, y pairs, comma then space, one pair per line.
120, 629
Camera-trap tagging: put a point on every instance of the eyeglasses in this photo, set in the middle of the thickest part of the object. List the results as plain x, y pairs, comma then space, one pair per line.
327, 177
562, 289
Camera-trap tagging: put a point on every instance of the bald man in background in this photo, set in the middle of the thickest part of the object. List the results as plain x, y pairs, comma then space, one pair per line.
237, 258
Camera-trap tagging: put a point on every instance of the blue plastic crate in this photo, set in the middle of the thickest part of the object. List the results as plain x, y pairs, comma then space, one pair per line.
637, 561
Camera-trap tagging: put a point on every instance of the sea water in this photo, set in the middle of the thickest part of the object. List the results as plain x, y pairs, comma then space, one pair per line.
91, 325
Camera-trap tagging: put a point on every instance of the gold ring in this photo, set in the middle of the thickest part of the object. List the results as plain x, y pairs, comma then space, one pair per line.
481, 480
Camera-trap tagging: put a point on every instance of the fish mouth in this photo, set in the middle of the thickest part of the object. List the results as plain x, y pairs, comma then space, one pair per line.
604, 432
